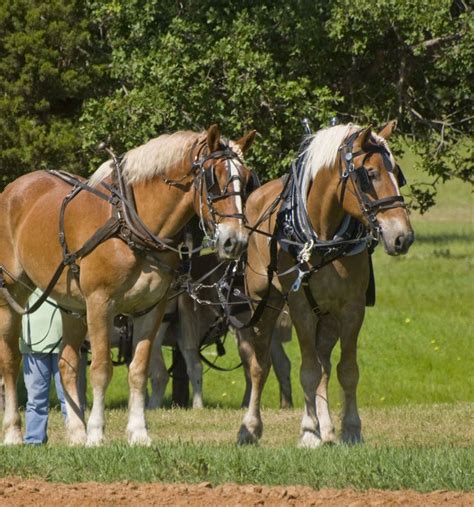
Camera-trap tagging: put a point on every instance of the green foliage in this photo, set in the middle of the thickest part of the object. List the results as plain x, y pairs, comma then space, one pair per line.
73, 74
266, 65
49, 64
191, 64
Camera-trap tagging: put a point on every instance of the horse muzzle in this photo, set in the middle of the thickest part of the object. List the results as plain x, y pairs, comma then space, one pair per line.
231, 242
397, 241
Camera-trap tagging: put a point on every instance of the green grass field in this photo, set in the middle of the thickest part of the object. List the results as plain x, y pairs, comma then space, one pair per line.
416, 392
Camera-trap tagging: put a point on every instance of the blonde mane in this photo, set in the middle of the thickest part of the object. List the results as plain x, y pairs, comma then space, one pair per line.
323, 149
150, 159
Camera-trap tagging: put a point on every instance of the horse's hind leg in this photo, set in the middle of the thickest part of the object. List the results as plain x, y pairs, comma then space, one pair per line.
10, 324
282, 366
348, 373
99, 325
74, 331
146, 328
327, 335
188, 341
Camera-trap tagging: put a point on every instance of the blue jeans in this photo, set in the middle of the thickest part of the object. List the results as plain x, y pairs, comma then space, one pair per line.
38, 370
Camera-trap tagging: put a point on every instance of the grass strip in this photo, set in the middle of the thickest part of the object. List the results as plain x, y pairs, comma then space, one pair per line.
362, 467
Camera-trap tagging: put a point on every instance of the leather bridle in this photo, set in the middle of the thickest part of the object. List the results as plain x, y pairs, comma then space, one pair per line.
361, 182
208, 190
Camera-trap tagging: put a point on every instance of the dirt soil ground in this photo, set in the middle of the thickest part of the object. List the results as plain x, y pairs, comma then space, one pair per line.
19, 492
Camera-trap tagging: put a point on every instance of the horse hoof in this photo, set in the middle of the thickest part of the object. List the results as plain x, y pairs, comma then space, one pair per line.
309, 440
13, 437
77, 438
329, 437
246, 437
95, 438
352, 439
139, 438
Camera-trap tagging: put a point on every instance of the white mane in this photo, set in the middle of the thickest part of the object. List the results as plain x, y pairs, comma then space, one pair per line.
149, 159
323, 149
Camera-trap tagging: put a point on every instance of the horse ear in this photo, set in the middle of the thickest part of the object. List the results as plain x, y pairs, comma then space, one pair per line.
362, 139
246, 141
388, 129
213, 138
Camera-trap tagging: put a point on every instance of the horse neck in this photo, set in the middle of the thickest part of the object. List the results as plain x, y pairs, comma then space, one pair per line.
324, 209
164, 208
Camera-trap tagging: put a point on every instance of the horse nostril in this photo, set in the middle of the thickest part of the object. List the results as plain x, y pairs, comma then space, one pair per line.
399, 242
229, 245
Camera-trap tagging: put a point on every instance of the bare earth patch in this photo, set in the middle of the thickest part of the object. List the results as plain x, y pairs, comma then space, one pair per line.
19, 492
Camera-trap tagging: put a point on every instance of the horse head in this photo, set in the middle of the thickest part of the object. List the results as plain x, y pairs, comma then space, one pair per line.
222, 184
370, 188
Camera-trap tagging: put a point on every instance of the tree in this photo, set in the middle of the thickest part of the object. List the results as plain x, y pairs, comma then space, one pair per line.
72, 76
50, 61
265, 65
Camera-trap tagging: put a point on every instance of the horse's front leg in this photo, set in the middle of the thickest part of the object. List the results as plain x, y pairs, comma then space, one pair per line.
348, 372
145, 328
305, 323
158, 372
327, 335
254, 346
10, 324
74, 332
100, 316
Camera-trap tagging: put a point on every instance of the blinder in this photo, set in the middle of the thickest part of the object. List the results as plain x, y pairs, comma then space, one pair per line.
252, 184
401, 180
210, 177
363, 179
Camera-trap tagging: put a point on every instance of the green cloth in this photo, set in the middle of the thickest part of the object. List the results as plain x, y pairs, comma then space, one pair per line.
41, 330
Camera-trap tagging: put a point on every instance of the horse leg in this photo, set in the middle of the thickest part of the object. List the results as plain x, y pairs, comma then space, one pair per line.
10, 324
327, 335
282, 366
100, 325
348, 373
310, 372
74, 332
158, 372
244, 353
255, 344
188, 341
146, 328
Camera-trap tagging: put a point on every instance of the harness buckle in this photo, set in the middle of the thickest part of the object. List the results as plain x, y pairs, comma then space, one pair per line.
299, 279
306, 251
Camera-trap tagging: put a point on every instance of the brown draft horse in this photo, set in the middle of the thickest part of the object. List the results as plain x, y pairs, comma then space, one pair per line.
332, 304
169, 178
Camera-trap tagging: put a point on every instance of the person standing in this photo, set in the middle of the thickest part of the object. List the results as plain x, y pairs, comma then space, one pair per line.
39, 345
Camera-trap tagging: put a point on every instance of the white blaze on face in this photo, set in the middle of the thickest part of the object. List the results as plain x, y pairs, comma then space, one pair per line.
234, 172
235, 175
395, 182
